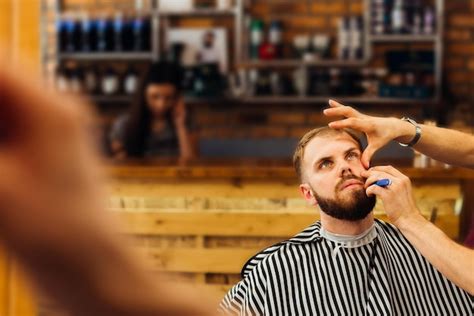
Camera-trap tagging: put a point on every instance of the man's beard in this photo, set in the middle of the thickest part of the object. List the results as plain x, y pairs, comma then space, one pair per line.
355, 208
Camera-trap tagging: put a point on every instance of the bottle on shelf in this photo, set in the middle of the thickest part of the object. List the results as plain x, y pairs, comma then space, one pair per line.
253, 78
344, 38
263, 85
110, 82
320, 44
356, 50
256, 37
87, 33
300, 79
130, 81
70, 33
301, 45
398, 17
379, 16
127, 33
118, 31
62, 79
76, 80
334, 81
276, 37
62, 32
141, 34
102, 33
417, 22
429, 21
224, 4
91, 80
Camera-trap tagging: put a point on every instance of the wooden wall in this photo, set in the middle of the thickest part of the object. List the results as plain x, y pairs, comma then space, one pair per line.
19, 42
20, 32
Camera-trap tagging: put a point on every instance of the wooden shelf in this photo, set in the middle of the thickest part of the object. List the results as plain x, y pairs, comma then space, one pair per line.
401, 38
111, 98
246, 169
348, 99
197, 12
274, 99
281, 63
107, 56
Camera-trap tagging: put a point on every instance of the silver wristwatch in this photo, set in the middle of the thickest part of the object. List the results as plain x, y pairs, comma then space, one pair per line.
417, 136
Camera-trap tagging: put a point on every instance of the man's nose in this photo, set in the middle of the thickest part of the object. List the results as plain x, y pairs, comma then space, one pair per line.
344, 168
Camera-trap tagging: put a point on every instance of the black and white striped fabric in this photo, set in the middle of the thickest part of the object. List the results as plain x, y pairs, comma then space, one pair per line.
311, 275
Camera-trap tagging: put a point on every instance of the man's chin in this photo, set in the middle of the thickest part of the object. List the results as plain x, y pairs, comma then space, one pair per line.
352, 205
351, 195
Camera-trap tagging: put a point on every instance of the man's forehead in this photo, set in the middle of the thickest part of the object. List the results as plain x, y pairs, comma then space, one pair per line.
328, 145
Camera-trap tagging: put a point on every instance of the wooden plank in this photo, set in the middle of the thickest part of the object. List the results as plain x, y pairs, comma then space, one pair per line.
4, 280
6, 26
215, 223
216, 292
26, 39
202, 188
251, 224
195, 260
22, 301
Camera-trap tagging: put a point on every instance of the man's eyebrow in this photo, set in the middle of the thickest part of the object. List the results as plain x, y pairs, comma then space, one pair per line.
317, 162
351, 149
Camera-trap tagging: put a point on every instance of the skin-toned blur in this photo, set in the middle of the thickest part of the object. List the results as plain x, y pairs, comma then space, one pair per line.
52, 215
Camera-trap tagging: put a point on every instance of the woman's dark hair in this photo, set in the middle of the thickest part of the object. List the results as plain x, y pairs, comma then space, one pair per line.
138, 126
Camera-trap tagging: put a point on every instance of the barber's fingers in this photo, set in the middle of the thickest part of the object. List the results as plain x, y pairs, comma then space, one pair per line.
334, 104
375, 190
375, 176
338, 109
368, 153
351, 122
390, 170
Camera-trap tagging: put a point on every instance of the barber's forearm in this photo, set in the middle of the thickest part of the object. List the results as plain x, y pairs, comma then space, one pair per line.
453, 260
447, 145
442, 144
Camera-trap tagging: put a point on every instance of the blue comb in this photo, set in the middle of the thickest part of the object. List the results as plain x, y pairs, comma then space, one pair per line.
383, 183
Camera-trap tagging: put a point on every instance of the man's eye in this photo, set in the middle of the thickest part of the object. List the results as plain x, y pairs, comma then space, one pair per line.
352, 155
325, 164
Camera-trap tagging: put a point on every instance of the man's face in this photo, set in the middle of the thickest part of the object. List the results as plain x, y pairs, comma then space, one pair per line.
332, 173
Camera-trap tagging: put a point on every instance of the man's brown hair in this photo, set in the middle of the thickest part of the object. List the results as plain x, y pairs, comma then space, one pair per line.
320, 132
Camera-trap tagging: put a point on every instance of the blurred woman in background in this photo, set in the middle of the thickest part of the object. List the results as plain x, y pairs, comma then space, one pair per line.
157, 125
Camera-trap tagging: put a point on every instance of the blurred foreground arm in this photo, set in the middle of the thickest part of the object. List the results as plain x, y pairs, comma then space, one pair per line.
442, 144
51, 212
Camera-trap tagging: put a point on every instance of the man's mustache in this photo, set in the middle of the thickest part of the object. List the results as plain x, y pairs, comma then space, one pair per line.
349, 177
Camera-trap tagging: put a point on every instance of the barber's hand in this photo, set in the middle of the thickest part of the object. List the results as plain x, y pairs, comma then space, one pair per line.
397, 198
379, 130
179, 113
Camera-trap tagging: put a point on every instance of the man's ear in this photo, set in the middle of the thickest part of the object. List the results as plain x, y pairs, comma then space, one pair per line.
308, 194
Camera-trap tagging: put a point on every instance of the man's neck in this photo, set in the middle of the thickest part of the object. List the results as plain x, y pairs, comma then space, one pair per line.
345, 227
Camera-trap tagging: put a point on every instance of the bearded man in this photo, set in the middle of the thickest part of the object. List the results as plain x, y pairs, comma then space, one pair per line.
348, 263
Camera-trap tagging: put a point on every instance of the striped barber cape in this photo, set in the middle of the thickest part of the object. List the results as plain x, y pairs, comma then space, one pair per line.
312, 275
